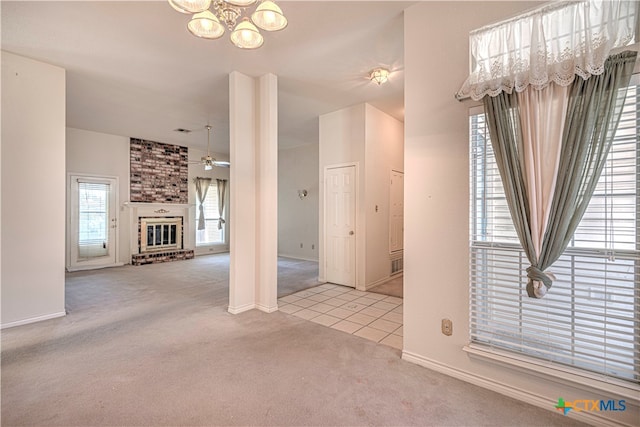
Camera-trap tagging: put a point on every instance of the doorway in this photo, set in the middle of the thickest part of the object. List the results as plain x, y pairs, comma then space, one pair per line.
298, 218
340, 225
92, 233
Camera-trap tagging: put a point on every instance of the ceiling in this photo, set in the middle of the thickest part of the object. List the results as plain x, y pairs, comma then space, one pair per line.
133, 69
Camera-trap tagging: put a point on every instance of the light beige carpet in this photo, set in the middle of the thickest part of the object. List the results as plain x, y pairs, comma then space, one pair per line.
155, 346
295, 275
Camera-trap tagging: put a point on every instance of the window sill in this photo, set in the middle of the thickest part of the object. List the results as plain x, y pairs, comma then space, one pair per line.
558, 373
209, 245
211, 248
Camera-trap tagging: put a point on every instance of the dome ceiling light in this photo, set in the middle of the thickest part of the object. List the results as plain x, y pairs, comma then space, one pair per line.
379, 75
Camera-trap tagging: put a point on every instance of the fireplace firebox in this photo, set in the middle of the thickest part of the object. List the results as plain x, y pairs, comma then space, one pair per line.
160, 234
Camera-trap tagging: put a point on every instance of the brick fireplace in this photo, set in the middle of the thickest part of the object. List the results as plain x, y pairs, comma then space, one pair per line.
159, 214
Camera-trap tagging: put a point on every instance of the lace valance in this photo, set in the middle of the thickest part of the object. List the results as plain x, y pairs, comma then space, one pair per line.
553, 43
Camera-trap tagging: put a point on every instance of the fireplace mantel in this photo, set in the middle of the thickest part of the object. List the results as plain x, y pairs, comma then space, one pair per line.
149, 209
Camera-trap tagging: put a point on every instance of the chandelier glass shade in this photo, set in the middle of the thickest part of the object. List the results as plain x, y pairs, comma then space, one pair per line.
210, 24
241, 3
190, 6
269, 16
246, 35
206, 25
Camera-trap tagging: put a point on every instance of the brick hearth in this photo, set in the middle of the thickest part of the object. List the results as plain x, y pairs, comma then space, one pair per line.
158, 257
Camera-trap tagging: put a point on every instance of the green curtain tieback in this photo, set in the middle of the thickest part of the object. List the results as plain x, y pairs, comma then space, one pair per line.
536, 278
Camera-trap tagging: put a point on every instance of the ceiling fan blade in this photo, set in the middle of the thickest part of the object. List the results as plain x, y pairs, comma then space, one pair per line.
221, 164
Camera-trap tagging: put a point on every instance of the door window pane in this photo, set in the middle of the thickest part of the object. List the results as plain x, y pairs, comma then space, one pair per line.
93, 219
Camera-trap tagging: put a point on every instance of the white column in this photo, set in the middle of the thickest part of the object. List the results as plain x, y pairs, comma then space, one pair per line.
267, 184
242, 193
253, 185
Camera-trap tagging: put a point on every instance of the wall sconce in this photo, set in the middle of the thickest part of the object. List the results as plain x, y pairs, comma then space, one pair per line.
302, 194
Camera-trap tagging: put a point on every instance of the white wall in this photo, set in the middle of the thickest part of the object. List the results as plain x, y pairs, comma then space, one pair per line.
95, 153
298, 218
384, 152
33, 160
372, 139
436, 282
341, 140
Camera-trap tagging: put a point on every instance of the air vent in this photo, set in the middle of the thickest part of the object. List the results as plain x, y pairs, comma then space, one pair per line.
181, 130
397, 266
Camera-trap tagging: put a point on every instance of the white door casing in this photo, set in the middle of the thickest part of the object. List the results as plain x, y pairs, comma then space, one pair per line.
340, 225
80, 254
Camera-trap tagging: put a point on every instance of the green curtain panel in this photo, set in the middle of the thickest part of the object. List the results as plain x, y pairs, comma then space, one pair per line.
202, 187
222, 187
593, 112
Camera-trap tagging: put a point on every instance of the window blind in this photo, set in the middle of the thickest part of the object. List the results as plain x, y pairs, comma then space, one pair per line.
210, 234
93, 219
590, 317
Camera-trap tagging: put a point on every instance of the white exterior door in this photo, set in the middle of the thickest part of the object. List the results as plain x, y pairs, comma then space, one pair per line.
340, 225
93, 222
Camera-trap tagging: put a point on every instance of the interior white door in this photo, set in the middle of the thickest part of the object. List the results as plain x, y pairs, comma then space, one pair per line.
94, 222
396, 212
340, 225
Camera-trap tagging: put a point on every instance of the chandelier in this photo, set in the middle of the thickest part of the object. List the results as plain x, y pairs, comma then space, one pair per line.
244, 29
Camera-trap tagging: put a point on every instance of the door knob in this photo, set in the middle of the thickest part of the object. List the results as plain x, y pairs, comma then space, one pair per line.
351, 233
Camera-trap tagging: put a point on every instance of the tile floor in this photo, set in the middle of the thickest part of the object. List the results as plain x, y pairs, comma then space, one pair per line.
375, 317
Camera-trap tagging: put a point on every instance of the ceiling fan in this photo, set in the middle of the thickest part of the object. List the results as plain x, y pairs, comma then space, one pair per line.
207, 161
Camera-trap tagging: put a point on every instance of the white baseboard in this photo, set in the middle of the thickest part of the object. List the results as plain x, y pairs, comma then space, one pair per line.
266, 308
381, 281
94, 267
298, 257
241, 308
508, 390
33, 320
208, 250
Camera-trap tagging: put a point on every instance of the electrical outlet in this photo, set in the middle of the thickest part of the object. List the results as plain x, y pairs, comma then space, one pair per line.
447, 327
313, 246
300, 245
